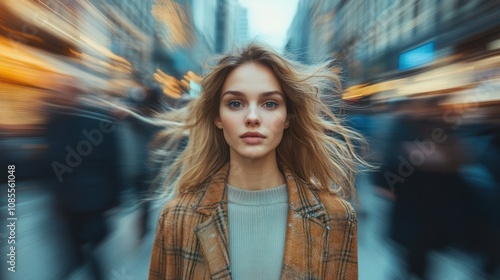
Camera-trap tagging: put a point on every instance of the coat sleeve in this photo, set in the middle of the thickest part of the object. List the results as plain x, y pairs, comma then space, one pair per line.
348, 264
158, 268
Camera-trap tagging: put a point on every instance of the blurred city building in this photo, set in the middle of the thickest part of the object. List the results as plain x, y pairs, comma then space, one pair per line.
384, 47
116, 49
132, 35
220, 23
300, 32
111, 45
209, 17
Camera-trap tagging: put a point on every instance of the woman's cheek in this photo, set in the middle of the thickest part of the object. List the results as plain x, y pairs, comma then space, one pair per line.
277, 124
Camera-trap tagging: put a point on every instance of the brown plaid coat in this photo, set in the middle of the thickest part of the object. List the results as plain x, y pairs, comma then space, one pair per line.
192, 239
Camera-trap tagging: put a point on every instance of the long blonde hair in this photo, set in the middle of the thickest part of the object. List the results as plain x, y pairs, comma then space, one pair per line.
316, 146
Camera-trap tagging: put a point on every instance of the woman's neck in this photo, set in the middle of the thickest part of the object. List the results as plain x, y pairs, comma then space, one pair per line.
254, 174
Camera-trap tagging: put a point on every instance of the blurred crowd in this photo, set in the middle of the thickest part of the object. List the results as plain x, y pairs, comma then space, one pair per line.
438, 165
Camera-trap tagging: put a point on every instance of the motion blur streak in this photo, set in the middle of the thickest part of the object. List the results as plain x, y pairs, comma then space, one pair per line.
421, 82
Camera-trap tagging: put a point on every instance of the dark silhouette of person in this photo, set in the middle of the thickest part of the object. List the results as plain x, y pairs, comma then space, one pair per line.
148, 103
421, 168
482, 223
85, 177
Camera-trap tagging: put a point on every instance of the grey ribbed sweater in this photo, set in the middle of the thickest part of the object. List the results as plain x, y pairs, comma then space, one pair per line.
257, 228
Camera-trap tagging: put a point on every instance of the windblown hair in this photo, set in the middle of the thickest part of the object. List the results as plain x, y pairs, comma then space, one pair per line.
315, 146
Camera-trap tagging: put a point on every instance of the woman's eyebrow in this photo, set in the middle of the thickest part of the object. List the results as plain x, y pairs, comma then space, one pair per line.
233, 92
264, 94
270, 93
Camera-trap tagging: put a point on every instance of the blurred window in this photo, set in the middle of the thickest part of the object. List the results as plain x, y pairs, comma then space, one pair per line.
416, 57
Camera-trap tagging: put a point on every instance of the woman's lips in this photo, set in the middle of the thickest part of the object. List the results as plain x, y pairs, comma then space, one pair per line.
252, 137
252, 140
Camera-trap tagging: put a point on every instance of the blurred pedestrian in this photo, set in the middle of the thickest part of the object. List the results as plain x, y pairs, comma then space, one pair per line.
421, 168
83, 161
259, 191
147, 102
482, 222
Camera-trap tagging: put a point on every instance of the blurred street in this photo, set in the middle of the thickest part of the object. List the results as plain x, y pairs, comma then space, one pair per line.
42, 251
42, 246
381, 259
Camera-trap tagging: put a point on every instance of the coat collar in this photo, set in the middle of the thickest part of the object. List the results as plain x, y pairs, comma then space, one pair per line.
301, 198
304, 205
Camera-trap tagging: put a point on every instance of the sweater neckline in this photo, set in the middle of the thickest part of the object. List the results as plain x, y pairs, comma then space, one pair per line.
270, 196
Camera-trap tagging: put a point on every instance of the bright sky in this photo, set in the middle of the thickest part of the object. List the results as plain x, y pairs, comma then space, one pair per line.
269, 20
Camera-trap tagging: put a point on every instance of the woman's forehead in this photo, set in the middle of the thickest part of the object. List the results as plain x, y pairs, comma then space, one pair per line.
251, 77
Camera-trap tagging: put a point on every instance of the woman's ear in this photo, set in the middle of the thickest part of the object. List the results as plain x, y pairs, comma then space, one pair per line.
218, 122
287, 123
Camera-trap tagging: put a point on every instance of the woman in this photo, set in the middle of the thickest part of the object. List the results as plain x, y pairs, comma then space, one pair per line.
259, 188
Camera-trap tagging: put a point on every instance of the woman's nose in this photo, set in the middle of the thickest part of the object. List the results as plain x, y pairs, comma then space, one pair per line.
252, 117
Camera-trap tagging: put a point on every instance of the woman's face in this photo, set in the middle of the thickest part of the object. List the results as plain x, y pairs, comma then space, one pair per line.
252, 112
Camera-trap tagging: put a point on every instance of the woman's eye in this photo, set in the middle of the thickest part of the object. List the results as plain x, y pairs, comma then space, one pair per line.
270, 104
234, 104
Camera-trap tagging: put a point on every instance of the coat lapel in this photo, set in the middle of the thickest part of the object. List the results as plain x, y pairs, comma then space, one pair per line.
213, 233
307, 232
